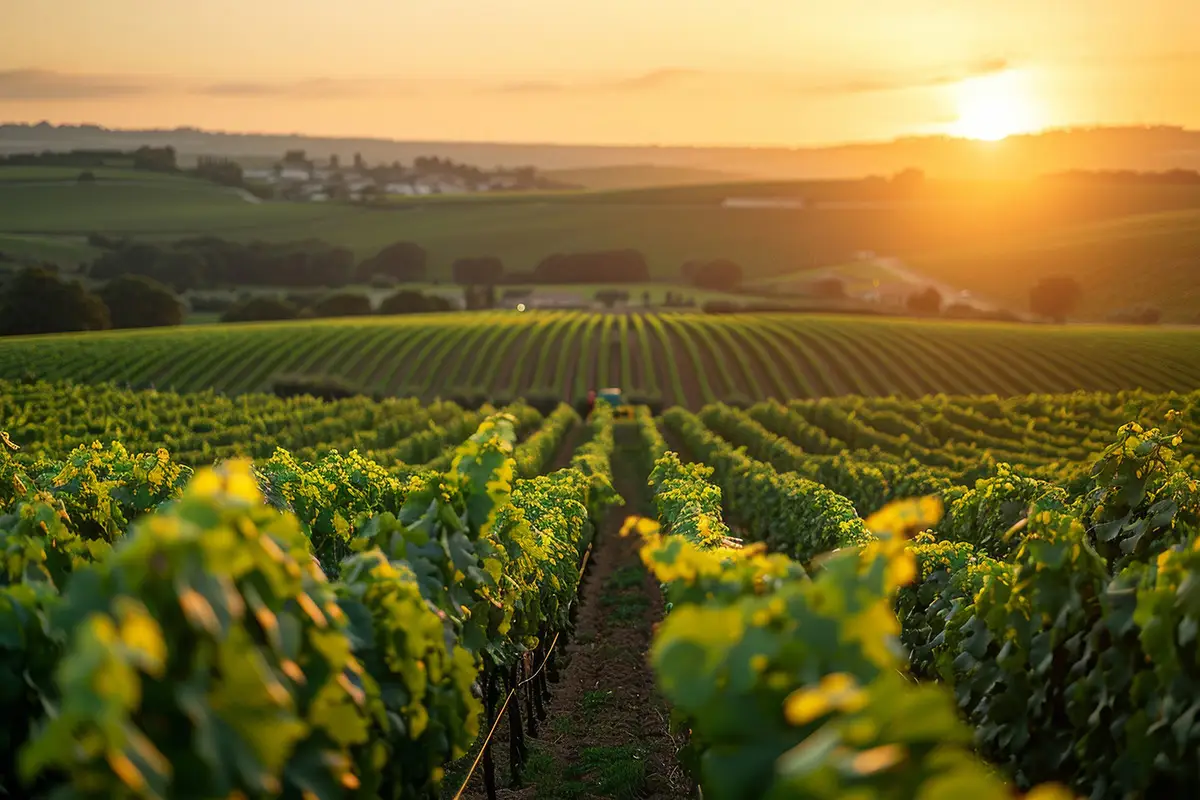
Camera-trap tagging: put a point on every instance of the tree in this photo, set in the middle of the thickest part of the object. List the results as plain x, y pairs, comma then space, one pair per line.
1055, 297
135, 301
482, 269
343, 304
87, 176
406, 301
926, 301
908, 181
607, 266
405, 261
610, 297
719, 274
829, 288
260, 309
156, 159
35, 300
479, 297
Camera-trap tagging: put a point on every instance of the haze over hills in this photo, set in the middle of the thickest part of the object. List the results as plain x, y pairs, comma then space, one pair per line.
1134, 148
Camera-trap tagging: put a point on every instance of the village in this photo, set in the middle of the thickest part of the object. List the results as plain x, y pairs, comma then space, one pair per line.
298, 177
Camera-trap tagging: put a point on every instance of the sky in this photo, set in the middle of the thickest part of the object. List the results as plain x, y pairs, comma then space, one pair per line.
739, 72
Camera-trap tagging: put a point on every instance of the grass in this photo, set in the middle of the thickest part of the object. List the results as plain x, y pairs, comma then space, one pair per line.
1149, 259
615, 772
993, 239
675, 358
31, 174
625, 607
594, 702
65, 251
627, 577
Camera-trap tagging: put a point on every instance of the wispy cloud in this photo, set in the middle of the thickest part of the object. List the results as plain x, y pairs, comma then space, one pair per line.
314, 88
895, 81
815, 83
35, 84
655, 79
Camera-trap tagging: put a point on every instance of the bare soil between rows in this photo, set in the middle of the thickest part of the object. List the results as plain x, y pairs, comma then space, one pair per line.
606, 733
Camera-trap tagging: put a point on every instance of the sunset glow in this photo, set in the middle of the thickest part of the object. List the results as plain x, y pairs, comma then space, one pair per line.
994, 107
787, 72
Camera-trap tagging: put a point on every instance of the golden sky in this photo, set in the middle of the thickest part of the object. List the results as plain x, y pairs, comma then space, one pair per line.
783, 72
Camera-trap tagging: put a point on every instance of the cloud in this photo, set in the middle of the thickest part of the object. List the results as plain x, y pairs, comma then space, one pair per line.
811, 84
899, 82
314, 88
655, 79
35, 84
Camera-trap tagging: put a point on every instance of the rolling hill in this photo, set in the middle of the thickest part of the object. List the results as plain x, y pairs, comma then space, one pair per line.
688, 359
1126, 244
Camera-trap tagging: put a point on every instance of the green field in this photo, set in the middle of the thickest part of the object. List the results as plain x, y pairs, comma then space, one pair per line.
995, 240
39, 174
688, 359
915, 581
636, 176
1151, 259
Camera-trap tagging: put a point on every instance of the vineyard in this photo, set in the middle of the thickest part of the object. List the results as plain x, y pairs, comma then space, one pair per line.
682, 359
944, 596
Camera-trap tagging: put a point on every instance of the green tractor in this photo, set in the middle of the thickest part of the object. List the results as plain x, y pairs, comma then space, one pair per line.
613, 397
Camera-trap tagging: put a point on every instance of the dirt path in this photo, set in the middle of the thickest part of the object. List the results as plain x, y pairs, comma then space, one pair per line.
606, 734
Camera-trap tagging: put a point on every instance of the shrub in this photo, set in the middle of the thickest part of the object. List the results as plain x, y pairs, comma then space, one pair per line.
1142, 315
610, 297
829, 288
324, 387
260, 309
344, 304
1055, 297
720, 307
36, 300
407, 301
137, 302
926, 301
720, 274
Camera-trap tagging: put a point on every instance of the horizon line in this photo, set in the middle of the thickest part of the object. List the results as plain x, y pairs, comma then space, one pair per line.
1085, 128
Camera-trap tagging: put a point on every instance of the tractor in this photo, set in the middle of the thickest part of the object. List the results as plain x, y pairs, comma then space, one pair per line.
613, 397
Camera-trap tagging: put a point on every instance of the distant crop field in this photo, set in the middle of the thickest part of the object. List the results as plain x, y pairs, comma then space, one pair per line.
689, 359
1127, 245
67, 251
101, 174
173, 207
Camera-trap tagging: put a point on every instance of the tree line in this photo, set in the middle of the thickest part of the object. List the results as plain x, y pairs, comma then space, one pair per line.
38, 300
154, 159
209, 262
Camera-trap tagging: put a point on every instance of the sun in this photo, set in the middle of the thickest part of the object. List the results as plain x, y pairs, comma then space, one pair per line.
992, 107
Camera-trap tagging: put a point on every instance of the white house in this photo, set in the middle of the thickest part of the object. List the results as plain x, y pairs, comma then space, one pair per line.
763, 202
290, 173
267, 175
501, 182
406, 189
